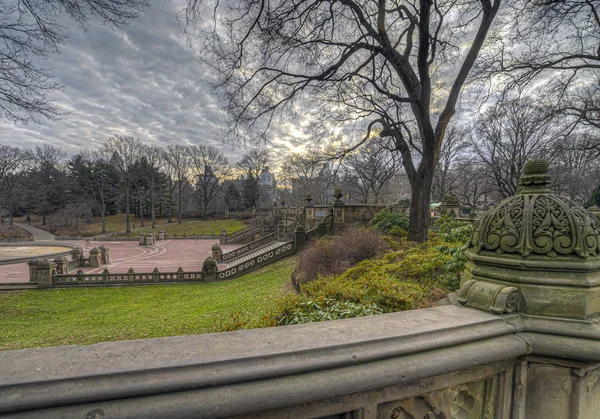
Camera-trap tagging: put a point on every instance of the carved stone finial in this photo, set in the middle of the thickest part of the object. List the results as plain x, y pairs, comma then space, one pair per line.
540, 244
535, 178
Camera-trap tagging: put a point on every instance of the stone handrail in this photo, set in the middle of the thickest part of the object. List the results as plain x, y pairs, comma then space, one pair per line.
269, 238
130, 278
242, 234
258, 261
422, 363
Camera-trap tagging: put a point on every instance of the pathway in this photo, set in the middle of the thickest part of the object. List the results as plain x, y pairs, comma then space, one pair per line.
38, 233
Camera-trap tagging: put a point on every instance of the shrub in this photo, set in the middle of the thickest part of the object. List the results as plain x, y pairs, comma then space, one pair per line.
333, 255
309, 311
398, 231
386, 220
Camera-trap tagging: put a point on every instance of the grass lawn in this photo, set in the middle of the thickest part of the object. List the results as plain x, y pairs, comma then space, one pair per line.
81, 316
196, 226
117, 222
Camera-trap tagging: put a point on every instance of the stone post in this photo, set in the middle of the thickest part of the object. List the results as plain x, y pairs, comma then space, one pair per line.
107, 255
300, 239
217, 253
223, 236
105, 276
102, 257
94, 258
210, 269
41, 272
62, 265
77, 254
130, 275
161, 235
142, 239
537, 254
280, 230
156, 275
180, 274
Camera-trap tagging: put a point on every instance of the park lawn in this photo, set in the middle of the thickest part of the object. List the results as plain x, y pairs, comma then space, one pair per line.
194, 227
81, 316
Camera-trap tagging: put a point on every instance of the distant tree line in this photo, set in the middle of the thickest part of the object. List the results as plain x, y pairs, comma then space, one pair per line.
124, 175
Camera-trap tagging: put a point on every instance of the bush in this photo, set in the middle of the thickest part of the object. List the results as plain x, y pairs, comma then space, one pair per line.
386, 220
333, 255
453, 231
398, 231
310, 311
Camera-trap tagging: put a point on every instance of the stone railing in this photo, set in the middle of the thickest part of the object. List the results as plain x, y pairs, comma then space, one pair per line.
258, 261
250, 247
445, 362
129, 278
242, 235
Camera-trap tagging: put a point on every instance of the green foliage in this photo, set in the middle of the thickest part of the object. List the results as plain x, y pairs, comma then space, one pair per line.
398, 231
453, 231
310, 311
386, 220
594, 198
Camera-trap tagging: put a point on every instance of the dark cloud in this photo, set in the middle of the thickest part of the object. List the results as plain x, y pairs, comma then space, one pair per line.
143, 81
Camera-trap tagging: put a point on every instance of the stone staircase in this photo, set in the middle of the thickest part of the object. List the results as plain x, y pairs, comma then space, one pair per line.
258, 252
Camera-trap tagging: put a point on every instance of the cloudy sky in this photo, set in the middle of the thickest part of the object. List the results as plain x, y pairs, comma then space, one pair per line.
142, 81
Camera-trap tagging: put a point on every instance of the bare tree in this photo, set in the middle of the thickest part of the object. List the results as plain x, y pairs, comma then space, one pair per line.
394, 67
508, 135
578, 169
13, 167
475, 187
96, 178
153, 156
307, 174
178, 161
209, 167
252, 164
550, 47
454, 145
31, 30
374, 166
46, 176
123, 153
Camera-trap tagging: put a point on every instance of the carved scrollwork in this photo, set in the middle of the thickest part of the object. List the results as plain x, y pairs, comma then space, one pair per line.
537, 224
492, 297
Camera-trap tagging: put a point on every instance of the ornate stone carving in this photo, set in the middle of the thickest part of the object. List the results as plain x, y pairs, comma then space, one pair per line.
488, 296
537, 221
466, 401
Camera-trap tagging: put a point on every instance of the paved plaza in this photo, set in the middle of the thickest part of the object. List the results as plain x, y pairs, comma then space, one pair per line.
167, 256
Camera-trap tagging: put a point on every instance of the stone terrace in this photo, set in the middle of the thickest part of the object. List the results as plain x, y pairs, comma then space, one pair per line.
167, 256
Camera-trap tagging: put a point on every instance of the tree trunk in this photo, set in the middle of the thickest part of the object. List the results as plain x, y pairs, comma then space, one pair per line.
103, 216
44, 216
128, 228
179, 208
152, 212
10, 216
141, 204
418, 225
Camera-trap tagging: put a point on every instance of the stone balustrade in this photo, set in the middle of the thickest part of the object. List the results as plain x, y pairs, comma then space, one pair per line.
452, 361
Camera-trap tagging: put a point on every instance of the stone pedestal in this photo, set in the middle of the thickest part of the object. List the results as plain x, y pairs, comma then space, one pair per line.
62, 265
41, 272
210, 268
95, 258
300, 238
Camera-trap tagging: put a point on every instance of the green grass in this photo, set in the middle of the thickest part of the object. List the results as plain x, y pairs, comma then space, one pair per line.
194, 227
81, 316
118, 222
